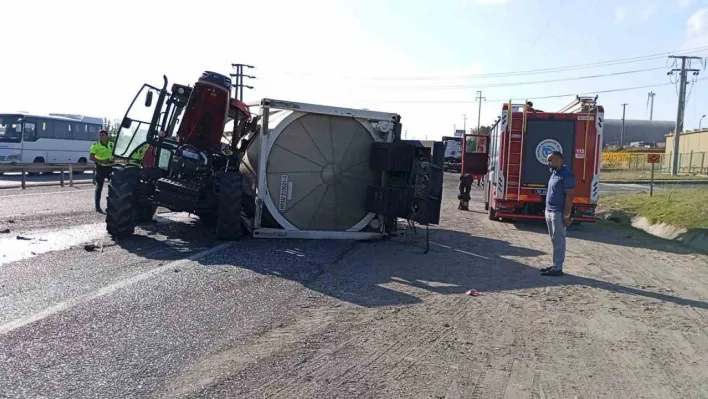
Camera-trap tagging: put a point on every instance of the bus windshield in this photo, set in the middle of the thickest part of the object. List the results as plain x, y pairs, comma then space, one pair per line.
10, 129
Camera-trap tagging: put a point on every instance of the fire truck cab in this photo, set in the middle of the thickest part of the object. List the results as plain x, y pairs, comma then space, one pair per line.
517, 179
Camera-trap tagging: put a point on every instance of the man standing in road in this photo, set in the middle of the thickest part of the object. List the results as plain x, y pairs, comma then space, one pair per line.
102, 154
559, 203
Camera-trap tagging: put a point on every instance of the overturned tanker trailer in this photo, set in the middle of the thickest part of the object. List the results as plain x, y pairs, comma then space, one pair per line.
321, 172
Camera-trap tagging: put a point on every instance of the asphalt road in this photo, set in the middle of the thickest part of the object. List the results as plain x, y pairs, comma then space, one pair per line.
172, 312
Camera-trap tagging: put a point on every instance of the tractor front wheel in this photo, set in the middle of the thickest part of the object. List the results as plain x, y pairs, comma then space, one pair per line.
228, 220
121, 207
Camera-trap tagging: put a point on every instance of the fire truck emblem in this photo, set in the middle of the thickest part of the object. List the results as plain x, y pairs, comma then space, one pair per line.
545, 148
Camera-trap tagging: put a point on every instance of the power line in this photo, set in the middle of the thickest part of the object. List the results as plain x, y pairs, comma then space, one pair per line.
531, 97
515, 73
507, 84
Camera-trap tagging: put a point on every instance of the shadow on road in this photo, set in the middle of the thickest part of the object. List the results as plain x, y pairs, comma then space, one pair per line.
611, 233
371, 274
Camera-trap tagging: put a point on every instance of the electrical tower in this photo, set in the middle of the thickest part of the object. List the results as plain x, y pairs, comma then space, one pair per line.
238, 80
683, 72
650, 100
479, 99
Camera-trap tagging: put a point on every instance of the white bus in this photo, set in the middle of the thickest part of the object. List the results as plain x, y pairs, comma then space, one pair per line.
53, 138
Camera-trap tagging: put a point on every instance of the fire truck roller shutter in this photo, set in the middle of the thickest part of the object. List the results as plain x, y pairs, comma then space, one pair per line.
542, 137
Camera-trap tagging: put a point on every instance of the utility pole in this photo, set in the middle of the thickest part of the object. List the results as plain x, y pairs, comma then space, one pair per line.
650, 99
624, 106
464, 123
479, 99
238, 80
681, 106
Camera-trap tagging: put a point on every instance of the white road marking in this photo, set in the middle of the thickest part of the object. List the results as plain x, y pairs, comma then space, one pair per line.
460, 251
107, 290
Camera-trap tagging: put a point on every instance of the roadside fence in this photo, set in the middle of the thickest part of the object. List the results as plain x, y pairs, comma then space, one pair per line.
30, 169
690, 163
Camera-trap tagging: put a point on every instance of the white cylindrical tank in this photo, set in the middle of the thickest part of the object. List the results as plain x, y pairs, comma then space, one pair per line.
316, 170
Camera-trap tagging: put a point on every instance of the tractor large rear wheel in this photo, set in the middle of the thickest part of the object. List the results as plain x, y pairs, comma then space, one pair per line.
120, 211
144, 213
228, 220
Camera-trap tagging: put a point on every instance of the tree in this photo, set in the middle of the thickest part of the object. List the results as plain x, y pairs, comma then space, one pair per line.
112, 126
483, 130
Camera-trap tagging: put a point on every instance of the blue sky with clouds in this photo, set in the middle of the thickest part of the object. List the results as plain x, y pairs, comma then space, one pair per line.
412, 57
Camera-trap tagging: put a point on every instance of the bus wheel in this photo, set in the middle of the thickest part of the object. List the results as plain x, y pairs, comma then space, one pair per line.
82, 162
36, 160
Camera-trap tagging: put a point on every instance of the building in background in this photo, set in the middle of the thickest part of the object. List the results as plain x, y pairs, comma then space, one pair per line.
649, 132
459, 133
693, 151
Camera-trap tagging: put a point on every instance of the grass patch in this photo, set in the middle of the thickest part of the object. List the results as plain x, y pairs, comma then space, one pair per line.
685, 208
644, 175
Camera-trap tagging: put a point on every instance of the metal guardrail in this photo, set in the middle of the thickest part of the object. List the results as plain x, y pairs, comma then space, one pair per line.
27, 168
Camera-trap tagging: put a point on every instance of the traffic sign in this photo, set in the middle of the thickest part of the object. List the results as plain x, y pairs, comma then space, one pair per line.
653, 158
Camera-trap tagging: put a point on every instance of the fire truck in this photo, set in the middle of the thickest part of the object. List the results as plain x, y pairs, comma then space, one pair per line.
517, 180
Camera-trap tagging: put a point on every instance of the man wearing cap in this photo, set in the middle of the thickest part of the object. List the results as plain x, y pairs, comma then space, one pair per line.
102, 154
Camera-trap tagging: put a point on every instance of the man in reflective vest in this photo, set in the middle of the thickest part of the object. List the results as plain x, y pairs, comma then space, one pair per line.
102, 154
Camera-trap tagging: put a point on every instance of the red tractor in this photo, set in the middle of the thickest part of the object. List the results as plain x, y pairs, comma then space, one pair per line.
174, 156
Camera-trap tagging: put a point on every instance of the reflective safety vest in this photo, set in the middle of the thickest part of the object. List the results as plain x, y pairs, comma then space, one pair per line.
138, 155
102, 153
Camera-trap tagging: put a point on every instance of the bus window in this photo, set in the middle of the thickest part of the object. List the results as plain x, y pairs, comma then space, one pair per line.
61, 130
10, 129
30, 131
45, 129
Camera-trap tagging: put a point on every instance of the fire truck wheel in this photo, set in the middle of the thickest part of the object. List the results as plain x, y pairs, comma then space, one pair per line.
228, 222
491, 213
120, 208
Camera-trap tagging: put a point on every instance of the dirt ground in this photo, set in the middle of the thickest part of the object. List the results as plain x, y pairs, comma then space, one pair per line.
629, 320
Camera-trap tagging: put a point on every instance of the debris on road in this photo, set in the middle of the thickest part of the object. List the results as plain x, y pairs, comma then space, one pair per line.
473, 292
4, 231
23, 238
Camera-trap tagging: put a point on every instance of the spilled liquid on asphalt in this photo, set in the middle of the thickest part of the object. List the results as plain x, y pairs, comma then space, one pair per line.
38, 242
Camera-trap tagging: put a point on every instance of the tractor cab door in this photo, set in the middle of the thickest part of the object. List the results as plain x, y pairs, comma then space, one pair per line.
475, 154
135, 126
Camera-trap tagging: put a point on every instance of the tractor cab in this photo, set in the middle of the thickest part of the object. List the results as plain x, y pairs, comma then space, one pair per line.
185, 117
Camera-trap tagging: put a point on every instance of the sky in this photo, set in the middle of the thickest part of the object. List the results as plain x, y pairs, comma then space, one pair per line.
421, 59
